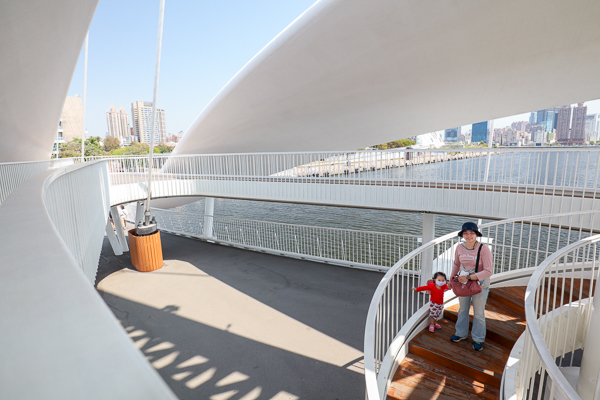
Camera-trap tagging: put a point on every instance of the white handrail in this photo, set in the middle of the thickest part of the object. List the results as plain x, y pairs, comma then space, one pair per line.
538, 357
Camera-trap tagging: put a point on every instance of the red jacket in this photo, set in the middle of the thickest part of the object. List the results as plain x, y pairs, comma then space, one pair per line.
436, 295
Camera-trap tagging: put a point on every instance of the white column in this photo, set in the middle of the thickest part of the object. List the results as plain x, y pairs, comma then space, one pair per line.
590, 363
427, 236
112, 238
119, 227
209, 211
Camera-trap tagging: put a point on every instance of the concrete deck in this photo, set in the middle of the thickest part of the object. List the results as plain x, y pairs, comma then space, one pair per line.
223, 323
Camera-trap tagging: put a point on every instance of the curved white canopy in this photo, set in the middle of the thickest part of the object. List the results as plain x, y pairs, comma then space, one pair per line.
347, 74
40, 42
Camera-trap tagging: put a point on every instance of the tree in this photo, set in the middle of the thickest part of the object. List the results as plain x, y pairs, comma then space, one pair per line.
135, 148
73, 148
111, 143
395, 144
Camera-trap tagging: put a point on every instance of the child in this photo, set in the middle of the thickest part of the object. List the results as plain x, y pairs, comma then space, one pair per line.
436, 289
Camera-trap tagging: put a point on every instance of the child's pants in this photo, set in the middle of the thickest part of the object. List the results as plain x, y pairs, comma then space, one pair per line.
435, 310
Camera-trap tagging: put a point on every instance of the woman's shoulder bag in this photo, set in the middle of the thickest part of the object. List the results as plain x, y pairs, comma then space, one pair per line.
471, 287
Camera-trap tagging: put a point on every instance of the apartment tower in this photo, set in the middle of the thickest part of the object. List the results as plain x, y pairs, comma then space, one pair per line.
578, 124
563, 124
118, 125
141, 113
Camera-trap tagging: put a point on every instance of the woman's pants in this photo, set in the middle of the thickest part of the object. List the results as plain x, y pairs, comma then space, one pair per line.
462, 323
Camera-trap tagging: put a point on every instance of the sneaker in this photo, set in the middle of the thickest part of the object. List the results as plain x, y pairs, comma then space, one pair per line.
456, 339
438, 326
431, 328
478, 346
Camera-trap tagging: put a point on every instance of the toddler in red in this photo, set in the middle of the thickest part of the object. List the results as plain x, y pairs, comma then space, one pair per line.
436, 289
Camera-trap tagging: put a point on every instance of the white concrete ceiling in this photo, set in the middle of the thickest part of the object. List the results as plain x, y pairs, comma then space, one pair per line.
40, 42
351, 73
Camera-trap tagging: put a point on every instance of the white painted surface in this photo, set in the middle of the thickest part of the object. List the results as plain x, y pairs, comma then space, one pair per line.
368, 72
62, 341
40, 45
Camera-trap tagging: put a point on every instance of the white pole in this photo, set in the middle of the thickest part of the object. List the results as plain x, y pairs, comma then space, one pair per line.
151, 150
85, 58
489, 155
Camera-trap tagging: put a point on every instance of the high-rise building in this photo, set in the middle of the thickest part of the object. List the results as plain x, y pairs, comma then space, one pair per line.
578, 124
563, 124
480, 132
451, 135
141, 112
592, 122
71, 119
118, 125
538, 134
532, 118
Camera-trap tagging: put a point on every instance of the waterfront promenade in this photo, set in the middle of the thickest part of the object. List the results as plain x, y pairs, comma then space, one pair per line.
224, 323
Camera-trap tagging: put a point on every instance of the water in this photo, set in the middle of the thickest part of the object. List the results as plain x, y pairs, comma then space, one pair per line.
575, 168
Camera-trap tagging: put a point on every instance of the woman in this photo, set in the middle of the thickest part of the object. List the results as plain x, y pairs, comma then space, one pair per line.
464, 270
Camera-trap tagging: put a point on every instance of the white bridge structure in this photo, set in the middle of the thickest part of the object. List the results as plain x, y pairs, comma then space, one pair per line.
70, 205
351, 72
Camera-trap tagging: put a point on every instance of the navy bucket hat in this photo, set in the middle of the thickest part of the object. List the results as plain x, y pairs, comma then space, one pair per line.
469, 226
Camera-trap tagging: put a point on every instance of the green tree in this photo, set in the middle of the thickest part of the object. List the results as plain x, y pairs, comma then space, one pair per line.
111, 143
135, 148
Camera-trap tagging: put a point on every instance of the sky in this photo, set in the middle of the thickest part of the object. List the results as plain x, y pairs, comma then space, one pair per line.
205, 43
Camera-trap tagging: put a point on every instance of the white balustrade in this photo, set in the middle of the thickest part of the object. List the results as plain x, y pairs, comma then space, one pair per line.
14, 174
77, 201
520, 182
558, 307
360, 249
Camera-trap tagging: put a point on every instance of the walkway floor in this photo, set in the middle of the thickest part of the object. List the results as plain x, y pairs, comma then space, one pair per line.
223, 323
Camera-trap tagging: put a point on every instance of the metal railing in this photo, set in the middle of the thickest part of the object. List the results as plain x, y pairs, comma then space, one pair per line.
556, 167
77, 201
15, 173
558, 307
522, 181
516, 244
361, 249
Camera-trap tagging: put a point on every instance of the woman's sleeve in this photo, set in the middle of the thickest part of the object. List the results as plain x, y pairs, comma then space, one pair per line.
422, 288
456, 265
488, 261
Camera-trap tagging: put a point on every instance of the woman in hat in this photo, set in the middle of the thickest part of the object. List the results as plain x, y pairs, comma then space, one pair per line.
464, 269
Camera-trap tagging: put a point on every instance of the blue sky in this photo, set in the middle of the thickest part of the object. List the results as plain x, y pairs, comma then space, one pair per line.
205, 43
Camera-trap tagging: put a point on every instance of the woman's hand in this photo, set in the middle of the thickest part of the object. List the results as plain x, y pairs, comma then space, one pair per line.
463, 279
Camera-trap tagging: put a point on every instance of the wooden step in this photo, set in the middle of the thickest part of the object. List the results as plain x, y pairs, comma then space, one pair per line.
511, 296
484, 366
504, 325
420, 379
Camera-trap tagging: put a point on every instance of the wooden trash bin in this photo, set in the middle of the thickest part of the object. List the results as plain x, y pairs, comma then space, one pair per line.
146, 251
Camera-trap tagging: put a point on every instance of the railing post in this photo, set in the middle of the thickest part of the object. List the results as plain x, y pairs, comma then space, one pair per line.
427, 236
119, 228
112, 239
209, 210
590, 363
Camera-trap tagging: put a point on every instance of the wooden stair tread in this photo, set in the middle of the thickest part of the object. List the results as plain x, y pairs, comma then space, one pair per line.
491, 360
499, 318
511, 296
430, 370
420, 379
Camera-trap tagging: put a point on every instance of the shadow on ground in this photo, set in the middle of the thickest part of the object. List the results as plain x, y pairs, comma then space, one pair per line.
200, 362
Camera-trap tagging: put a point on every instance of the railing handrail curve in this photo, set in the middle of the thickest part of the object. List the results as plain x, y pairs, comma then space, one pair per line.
531, 316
